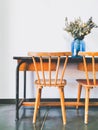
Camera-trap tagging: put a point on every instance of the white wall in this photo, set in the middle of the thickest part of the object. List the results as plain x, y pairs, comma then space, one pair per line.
37, 25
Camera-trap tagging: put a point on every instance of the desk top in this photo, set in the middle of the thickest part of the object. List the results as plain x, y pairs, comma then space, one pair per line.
23, 61
70, 59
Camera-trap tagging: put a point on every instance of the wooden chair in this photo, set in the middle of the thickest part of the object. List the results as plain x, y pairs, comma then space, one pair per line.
89, 82
44, 80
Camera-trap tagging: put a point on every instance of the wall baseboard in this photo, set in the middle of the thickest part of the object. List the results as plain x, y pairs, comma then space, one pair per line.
13, 101
7, 101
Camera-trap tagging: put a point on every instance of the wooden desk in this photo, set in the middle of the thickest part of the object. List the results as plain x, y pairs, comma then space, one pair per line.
25, 64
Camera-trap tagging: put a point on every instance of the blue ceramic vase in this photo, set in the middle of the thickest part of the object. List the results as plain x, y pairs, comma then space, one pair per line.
76, 46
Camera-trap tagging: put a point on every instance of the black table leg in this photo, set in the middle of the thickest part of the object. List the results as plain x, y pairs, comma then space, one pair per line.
17, 90
25, 84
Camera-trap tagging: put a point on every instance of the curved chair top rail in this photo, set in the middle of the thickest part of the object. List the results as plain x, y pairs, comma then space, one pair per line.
88, 53
49, 53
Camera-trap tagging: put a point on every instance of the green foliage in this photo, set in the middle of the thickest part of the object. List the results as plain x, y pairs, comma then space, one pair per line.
79, 29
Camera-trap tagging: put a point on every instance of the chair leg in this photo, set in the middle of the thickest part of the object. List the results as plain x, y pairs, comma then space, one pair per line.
39, 98
86, 105
61, 90
79, 95
37, 102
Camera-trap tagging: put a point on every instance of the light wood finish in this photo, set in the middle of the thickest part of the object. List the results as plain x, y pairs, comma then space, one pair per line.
30, 66
89, 66
49, 79
67, 103
89, 82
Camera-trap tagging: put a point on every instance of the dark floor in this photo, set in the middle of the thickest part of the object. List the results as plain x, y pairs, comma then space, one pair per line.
49, 118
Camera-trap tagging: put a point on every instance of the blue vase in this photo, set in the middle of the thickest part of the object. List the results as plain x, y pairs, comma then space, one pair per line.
76, 46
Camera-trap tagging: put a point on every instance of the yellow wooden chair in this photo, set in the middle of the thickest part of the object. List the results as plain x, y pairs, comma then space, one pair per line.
89, 82
49, 80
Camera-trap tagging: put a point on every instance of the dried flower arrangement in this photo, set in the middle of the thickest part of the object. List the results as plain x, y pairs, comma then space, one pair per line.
79, 29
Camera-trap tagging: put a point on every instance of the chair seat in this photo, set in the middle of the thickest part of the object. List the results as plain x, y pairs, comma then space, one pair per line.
46, 83
84, 82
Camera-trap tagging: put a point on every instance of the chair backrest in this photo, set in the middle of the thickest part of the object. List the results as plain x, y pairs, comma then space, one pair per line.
51, 58
94, 56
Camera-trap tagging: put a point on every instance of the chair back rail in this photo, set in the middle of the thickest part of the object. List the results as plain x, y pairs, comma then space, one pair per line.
93, 55
49, 79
